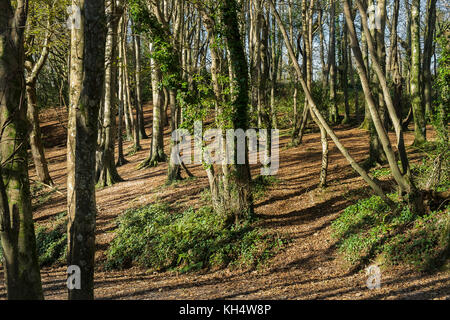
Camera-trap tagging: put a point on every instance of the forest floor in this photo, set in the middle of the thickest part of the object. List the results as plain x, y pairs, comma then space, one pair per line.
308, 268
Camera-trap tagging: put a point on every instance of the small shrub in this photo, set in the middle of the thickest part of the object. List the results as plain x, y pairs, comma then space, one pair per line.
425, 245
368, 229
155, 237
52, 244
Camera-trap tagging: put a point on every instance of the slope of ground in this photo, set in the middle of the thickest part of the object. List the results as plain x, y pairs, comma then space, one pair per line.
308, 268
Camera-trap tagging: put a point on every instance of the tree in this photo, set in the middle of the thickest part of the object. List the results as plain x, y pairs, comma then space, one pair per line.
240, 177
417, 106
140, 113
333, 111
87, 66
106, 171
133, 121
402, 176
34, 67
370, 181
230, 184
344, 72
427, 55
376, 152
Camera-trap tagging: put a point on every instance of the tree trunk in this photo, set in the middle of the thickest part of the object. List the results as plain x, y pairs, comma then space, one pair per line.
401, 176
86, 77
134, 124
240, 178
157, 149
416, 99
139, 109
174, 169
120, 156
365, 55
23, 280
37, 147
333, 110
107, 174
427, 55
345, 68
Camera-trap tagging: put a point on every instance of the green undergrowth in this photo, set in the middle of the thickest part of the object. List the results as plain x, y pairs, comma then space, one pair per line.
381, 172
159, 238
51, 242
368, 231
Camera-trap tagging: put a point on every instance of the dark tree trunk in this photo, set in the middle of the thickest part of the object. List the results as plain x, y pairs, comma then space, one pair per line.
37, 147
87, 76
240, 177
427, 55
23, 280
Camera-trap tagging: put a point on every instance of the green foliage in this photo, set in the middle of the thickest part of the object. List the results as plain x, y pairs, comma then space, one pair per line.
51, 242
441, 114
426, 245
284, 102
368, 229
155, 237
321, 96
196, 102
381, 172
164, 51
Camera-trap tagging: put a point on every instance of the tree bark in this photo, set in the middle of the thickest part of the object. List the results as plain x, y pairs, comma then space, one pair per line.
86, 77
240, 178
157, 146
333, 110
139, 108
427, 55
106, 171
23, 280
417, 106
37, 147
